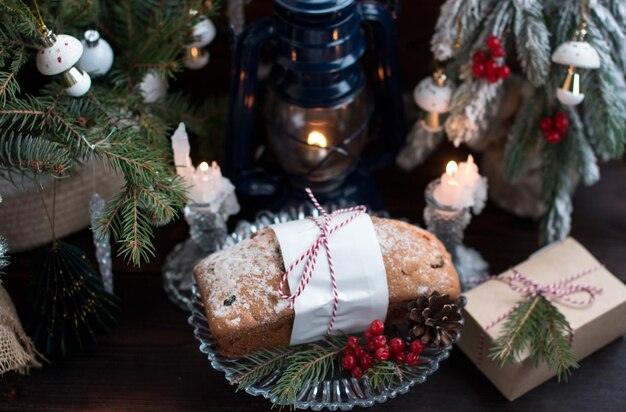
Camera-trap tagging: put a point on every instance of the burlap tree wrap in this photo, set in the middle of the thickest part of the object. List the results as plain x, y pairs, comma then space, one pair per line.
17, 352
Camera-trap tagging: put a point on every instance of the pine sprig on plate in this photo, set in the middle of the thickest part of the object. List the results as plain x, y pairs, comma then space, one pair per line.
538, 326
307, 367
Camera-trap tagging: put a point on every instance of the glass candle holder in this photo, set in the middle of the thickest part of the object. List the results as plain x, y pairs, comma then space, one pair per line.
207, 234
448, 225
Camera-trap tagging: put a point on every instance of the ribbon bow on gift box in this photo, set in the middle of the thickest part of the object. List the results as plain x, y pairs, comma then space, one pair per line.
326, 230
529, 317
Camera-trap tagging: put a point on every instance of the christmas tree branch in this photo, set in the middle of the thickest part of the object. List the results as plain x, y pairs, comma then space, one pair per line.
32, 156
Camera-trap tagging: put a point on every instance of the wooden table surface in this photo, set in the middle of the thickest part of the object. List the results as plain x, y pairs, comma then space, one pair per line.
151, 361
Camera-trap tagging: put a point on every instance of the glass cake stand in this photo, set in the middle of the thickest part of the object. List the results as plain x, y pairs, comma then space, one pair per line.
339, 391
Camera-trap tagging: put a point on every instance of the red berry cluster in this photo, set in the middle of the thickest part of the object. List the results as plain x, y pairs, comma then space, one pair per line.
554, 128
358, 358
489, 67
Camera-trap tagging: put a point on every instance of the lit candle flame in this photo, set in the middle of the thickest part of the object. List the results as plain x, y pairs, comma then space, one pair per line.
194, 52
204, 167
317, 139
451, 168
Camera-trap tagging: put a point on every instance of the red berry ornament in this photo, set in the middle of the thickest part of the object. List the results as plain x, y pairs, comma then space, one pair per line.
359, 352
377, 327
379, 341
368, 335
553, 137
561, 122
493, 42
371, 346
498, 52
353, 341
399, 358
357, 372
348, 351
396, 345
382, 354
491, 68
478, 69
492, 78
412, 359
504, 71
546, 124
348, 362
366, 361
480, 56
416, 347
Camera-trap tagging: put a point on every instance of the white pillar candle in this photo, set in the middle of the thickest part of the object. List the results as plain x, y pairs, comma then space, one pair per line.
462, 186
449, 190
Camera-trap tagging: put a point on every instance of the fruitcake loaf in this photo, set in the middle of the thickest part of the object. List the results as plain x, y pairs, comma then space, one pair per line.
245, 313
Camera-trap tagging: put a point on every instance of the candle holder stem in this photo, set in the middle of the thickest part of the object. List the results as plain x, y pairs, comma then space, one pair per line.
449, 224
207, 234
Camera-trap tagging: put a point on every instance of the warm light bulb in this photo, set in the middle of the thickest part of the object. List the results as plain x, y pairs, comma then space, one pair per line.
204, 167
317, 139
451, 168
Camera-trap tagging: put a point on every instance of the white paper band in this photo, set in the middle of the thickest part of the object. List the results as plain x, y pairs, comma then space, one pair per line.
359, 270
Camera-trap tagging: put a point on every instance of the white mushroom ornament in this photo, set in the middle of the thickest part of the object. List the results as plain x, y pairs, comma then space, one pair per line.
432, 95
59, 55
575, 54
97, 57
196, 57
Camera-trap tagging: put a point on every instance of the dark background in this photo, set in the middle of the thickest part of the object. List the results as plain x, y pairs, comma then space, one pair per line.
151, 361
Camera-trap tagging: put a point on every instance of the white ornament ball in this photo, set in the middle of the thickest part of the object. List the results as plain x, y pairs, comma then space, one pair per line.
203, 32
578, 54
431, 97
60, 56
568, 98
153, 88
97, 57
81, 87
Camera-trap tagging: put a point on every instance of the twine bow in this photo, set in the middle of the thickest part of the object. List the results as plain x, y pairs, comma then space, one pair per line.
326, 229
561, 290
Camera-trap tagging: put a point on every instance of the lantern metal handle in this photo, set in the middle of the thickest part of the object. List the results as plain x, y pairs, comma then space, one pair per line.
246, 46
387, 89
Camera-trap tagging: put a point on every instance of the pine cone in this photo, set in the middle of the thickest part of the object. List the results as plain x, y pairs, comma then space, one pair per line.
435, 320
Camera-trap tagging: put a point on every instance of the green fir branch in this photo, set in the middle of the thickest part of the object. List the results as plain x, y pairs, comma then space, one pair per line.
381, 374
523, 139
259, 365
32, 156
538, 326
518, 331
585, 159
307, 367
532, 40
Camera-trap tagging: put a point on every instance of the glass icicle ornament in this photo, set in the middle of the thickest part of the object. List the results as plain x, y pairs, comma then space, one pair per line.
59, 56
97, 57
101, 241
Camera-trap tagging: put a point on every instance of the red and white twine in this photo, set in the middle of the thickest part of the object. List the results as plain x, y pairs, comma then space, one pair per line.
311, 255
560, 291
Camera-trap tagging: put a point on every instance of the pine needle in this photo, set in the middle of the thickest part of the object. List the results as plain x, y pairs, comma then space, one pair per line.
538, 326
